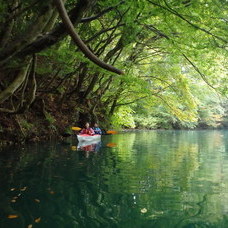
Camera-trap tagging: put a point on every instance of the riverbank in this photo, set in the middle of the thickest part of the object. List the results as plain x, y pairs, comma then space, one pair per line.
42, 125
36, 125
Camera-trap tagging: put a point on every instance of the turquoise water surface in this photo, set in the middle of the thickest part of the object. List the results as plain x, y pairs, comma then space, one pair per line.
161, 179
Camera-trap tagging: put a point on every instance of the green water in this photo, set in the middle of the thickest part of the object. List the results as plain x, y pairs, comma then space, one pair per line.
135, 180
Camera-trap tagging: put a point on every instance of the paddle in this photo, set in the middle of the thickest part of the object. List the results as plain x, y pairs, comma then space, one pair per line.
76, 128
72, 128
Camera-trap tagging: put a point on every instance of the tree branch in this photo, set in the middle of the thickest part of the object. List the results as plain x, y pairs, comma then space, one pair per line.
156, 31
183, 18
131, 102
31, 33
198, 71
57, 34
103, 31
9, 111
5, 94
76, 38
89, 19
11, 17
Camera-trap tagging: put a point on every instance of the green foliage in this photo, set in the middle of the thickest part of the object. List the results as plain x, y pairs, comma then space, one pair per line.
123, 118
26, 125
160, 118
171, 53
146, 122
51, 120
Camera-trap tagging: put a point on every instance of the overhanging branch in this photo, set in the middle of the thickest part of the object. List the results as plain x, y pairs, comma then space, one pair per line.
89, 19
131, 102
76, 38
169, 9
198, 71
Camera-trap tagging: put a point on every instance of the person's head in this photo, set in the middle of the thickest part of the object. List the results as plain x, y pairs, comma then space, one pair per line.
87, 125
96, 125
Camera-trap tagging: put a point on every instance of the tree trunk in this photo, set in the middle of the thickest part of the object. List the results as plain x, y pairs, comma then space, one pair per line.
9, 91
7, 28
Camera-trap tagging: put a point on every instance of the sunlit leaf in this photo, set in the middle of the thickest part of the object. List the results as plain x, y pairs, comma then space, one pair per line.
37, 200
37, 220
111, 145
12, 216
112, 132
143, 210
23, 189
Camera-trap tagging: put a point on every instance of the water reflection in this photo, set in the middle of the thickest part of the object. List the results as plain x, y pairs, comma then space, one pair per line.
89, 147
147, 179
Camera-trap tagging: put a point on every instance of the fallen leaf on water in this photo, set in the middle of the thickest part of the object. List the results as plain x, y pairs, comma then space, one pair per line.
153, 216
30, 226
112, 132
12, 189
144, 210
37, 200
38, 220
159, 212
156, 214
12, 216
23, 189
111, 145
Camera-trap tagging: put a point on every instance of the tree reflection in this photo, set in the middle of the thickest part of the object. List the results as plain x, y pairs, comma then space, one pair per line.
148, 179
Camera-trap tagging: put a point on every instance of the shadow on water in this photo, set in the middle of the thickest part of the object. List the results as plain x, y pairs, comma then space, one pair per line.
137, 180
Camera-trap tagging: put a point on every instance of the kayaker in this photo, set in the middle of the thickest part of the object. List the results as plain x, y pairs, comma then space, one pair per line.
87, 130
97, 130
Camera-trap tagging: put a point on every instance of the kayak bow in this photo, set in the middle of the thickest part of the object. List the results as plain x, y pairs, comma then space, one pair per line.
88, 138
